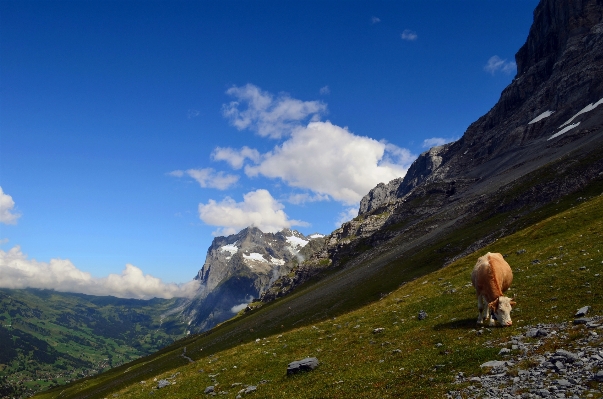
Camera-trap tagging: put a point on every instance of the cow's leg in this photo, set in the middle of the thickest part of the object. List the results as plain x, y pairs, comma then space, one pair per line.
492, 319
480, 308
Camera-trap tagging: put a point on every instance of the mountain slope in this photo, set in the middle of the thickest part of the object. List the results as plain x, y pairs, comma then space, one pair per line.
539, 143
557, 264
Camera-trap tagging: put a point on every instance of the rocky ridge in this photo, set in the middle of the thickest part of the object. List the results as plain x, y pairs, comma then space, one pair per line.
538, 144
240, 268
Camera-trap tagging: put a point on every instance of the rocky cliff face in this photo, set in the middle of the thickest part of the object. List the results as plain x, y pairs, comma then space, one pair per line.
239, 268
541, 142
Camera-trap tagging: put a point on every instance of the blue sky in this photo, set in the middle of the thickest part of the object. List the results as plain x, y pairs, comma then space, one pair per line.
132, 132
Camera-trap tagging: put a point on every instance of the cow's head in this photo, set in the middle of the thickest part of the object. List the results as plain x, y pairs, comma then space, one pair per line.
501, 309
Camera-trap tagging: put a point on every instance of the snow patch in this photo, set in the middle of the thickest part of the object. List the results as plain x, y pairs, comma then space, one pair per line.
564, 130
276, 261
540, 117
233, 249
584, 110
296, 241
255, 256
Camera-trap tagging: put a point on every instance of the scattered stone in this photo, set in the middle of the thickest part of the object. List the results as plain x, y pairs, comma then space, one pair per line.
582, 311
162, 384
250, 389
307, 364
378, 330
568, 372
535, 261
582, 320
209, 389
536, 333
521, 251
422, 315
504, 351
494, 364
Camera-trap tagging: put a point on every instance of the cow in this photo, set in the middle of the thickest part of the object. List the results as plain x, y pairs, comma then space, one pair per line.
491, 277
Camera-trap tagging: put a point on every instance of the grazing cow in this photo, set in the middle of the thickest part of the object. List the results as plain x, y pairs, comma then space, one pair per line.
491, 277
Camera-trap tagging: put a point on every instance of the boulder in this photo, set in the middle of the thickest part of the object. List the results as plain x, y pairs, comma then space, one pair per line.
307, 364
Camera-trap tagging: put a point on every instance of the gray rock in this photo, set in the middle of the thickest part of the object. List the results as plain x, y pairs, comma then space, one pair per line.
307, 364
504, 351
494, 363
380, 195
569, 356
422, 315
209, 389
378, 330
582, 311
162, 384
536, 333
582, 320
250, 389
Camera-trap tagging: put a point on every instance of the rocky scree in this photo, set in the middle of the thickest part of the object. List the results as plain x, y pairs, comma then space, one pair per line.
531, 367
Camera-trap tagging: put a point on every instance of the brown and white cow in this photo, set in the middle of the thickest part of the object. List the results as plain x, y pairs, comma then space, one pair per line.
491, 277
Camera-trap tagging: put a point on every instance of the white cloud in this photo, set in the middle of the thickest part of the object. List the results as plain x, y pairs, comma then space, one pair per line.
3, 241
325, 90
346, 215
436, 141
258, 209
208, 178
495, 64
375, 20
302, 198
238, 308
235, 158
6, 209
267, 116
409, 35
330, 160
192, 113
61, 275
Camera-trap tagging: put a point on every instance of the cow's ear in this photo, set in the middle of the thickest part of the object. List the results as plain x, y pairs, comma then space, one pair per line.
513, 303
494, 304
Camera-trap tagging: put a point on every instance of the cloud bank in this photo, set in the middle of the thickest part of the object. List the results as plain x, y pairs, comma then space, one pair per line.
6, 209
329, 160
258, 209
266, 115
18, 271
496, 64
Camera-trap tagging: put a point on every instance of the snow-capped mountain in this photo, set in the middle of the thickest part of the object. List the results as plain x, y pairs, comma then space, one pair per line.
239, 268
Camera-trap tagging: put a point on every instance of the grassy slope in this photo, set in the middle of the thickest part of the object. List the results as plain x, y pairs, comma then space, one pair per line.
364, 362
51, 337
